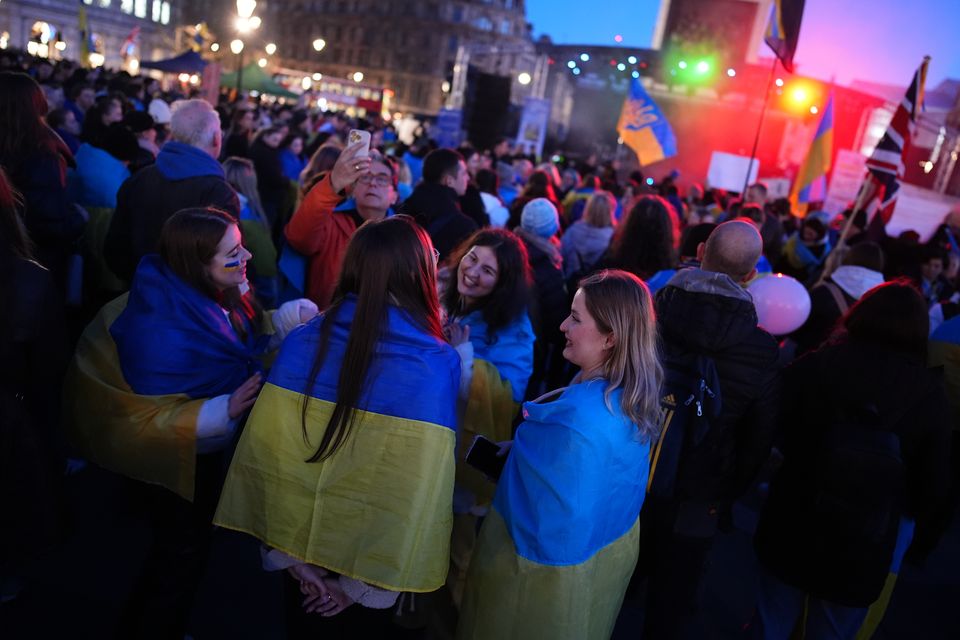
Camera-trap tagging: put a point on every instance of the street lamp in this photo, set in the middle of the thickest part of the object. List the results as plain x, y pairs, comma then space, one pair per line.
245, 23
319, 44
524, 78
271, 48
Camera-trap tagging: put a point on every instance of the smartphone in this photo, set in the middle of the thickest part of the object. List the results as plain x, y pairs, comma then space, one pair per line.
482, 456
362, 139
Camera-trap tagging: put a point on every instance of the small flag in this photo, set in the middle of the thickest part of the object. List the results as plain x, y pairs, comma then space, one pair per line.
643, 127
885, 165
126, 49
811, 183
783, 30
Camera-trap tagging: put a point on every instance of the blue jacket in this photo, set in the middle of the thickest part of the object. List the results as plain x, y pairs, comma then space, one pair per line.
97, 178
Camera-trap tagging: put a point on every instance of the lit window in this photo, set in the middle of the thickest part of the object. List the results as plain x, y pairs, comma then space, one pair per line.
126, 6
155, 13
140, 8
165, 13
105, 4
87, 1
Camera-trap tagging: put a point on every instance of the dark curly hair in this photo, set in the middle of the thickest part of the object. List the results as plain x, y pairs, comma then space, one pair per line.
511, 294
644, 243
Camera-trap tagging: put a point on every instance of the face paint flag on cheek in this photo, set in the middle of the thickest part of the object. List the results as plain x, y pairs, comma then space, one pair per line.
232, 266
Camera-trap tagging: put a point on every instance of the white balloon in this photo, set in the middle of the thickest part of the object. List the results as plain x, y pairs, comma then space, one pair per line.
782, 303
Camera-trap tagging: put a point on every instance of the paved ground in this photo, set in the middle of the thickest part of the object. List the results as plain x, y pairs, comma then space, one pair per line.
78, 591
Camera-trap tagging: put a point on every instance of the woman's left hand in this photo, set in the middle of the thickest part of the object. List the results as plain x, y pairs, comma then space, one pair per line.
456, 333
330, 603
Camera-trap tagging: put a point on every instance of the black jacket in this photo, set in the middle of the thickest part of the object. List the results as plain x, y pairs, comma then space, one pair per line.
707, 313
145, 201
551, 292
793, 541
435, 207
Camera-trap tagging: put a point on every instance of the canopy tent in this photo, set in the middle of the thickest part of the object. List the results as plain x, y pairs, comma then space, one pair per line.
186, 62
255, 79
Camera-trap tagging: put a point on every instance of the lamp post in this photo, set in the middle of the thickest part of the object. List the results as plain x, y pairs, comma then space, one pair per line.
246, 22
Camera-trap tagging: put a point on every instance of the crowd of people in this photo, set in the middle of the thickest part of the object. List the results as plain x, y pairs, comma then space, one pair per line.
263, 327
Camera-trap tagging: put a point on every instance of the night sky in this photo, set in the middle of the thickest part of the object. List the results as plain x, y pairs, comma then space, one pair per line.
876, 40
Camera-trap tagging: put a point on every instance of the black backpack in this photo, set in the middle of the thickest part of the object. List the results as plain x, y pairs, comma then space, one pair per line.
689, 402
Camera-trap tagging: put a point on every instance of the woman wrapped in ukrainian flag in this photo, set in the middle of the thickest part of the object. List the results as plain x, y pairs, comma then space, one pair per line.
556, 552
156, 390
487, 322
345, 469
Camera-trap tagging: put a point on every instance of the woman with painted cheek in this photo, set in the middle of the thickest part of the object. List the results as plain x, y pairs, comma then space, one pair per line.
564, 524
160, 382
488, 324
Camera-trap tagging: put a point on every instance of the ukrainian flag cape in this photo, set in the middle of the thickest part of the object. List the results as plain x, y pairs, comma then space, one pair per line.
141, 372
380, 509
502, 367
557, 551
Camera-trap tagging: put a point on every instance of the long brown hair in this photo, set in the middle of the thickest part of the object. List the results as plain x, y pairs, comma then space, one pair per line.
388, 262
620, 303
14, 240
188, 243
23, 130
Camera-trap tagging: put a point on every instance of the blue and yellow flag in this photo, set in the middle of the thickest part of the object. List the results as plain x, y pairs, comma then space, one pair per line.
557, 551
811, 182
783, 30
85, 36
379, 509
141, 372
643, 127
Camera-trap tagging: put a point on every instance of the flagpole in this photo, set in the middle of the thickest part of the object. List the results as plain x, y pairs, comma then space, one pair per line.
756, 139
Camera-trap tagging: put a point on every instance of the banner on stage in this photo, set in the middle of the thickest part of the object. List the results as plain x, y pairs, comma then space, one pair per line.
533, 126
845, 181
727, 171
449, 128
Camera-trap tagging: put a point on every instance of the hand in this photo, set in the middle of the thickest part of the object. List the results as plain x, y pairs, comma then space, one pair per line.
311, 579
456, 333
244, 397
349, 167
330, 603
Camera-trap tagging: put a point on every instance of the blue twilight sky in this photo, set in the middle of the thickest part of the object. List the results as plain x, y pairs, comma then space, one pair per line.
876, 40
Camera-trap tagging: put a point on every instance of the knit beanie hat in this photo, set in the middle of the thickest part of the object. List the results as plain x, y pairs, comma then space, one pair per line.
539, 216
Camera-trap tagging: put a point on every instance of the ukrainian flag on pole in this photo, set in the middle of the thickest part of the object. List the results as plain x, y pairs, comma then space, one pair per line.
643, 127
811, 183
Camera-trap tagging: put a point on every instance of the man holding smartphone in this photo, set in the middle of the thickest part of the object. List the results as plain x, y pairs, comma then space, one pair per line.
321, 231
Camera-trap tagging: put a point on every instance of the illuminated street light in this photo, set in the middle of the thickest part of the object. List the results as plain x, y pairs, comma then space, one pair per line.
245, 8
215, 47
524, 78
317, 77
358, 76
271, 49
306, 83
236, 46
262, 62
255, 22
319, 44
445, 86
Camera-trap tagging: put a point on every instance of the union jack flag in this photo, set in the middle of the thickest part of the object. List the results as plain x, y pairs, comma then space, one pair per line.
886, 164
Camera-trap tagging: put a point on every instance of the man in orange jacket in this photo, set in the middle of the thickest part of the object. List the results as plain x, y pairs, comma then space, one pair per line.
321, 233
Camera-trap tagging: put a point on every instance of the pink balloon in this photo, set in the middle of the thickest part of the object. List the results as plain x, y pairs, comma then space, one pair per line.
782, 303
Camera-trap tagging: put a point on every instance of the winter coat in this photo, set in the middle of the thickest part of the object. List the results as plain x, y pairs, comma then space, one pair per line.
707, 313
436, 209
551, 292
97, 178
183, 177
496, 212
792, 539
851, 282
582, 245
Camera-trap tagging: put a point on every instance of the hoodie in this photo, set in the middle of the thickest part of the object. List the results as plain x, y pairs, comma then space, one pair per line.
582, 245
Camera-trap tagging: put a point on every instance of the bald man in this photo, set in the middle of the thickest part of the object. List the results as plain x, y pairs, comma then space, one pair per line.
707, 312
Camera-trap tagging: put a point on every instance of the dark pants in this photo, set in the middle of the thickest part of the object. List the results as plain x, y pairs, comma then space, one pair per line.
353, 622
162, 597
675, 541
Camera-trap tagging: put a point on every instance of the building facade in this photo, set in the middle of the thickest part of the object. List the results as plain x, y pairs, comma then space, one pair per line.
406, 47
51, 28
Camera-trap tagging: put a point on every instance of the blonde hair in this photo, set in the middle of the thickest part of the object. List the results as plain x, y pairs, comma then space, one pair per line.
599, 210
242, 176
620, 303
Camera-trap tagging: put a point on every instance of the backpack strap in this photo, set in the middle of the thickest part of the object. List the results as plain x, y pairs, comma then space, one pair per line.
837, 296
